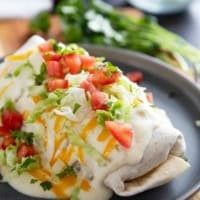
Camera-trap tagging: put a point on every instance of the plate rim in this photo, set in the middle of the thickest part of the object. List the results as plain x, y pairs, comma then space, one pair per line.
149, 59
141, 57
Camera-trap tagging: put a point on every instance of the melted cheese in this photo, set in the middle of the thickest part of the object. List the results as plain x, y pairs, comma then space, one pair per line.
103, 136
65, 183
109, 147
18, 57
88, 128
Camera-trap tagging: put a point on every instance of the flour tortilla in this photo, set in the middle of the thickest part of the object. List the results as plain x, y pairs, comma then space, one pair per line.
160, 164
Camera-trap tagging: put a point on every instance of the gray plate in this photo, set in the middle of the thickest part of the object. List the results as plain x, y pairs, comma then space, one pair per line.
173, 92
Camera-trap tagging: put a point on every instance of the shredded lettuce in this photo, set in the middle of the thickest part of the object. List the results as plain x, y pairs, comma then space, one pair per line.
11, 155
52, 100
2, 157
21, 67
75, 193
38, 90
78, 141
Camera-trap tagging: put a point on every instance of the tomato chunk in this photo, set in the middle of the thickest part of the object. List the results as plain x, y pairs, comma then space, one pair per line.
4, 131
72, 63
103, 77
149, 96
88, 86
135, 76
57, 84
12, 119
98, 100
44, 47
122, 132
55, 69
87, 62
7, 140
25, 150
51, 56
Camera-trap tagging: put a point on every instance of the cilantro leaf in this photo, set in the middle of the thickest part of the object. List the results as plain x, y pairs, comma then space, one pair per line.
26, 137
27, 164
46, 185
9, 105
32, 181
67, 171
76, 107
41, 77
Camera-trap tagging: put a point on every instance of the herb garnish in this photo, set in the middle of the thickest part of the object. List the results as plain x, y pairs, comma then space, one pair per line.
39, 78
32, 181
67, 171
46, 185
20, 136
76, 107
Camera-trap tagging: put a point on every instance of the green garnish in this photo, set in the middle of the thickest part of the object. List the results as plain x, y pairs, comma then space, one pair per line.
110, 69
83, 23
39, 78
103, 116
76, 107
21, 67
67, 171
32, 181
27, 164
46, 185
75, 193
22, 136
41, 22
9, 105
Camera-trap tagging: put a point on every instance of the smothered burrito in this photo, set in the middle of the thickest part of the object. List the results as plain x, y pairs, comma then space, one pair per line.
74, 127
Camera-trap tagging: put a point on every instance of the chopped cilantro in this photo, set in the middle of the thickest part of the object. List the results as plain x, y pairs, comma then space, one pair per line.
27, 164
41, 76
67, 171
76, 107
32, 181
46, 185
20, 136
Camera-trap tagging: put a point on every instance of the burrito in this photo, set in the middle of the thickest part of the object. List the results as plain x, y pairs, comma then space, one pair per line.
74, 127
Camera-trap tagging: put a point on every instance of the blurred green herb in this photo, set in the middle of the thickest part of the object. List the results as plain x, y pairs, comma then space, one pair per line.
99, 23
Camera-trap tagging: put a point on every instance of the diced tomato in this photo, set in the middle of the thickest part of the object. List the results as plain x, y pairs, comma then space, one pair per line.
51, 56
4, 131
102, 77
57, 84
25, 150
149, 96
72, 63
87, 62
44, 47
88, 86
12, 119
135, 76
55, 69
122, 132
7, 140
98, 100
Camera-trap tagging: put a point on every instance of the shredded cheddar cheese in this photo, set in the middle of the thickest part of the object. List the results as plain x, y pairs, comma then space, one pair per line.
18, 57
